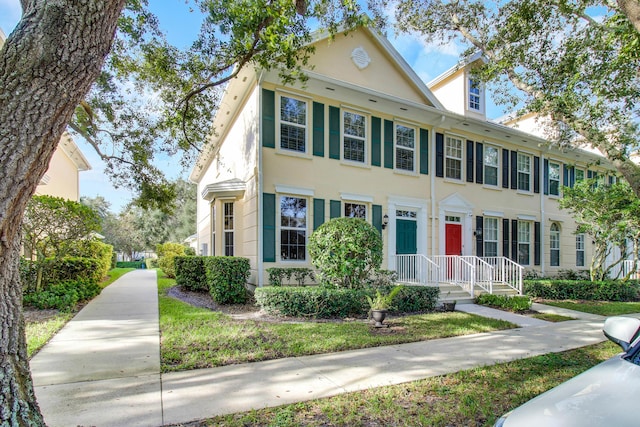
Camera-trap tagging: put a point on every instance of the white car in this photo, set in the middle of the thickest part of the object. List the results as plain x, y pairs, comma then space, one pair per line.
604, 396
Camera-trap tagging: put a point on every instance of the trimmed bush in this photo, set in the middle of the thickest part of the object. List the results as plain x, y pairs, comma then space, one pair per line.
511, 303
227, 278
97, 250
190, 273
56, 270
278, 275
64, 295
583, 290
414, 299
166, 254
129, 264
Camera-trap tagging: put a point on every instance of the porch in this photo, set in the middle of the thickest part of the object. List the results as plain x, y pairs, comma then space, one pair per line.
461, 278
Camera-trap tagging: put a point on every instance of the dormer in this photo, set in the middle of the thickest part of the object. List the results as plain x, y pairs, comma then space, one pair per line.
459, 92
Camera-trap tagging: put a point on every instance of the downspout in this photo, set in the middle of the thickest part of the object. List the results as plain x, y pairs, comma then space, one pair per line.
432, 166
260, 183
542, 220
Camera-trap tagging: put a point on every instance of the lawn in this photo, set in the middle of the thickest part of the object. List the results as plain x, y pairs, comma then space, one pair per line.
39, 331
475, 397
603, 308
199, 338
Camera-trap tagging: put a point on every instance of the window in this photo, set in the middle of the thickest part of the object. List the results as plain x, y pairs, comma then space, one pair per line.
405, 148
554, 245
524, 242
579, 250
228, 229
293, 124
490, 234
524, 172
491, 165
474, 95
354, 136
579, 175
453, 156
293, 228
554, 179
355, 210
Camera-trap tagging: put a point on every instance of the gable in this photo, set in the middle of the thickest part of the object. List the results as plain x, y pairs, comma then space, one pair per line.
364, 59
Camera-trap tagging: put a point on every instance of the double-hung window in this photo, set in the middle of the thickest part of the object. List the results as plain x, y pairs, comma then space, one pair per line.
490, 237
524, 172
554, 179
405, 148
355, 210
293, 228
354, 137
228, 229
453, 158
293, 124
474, 95
490, 161
524, 242
554, 245
579, 250
579, 175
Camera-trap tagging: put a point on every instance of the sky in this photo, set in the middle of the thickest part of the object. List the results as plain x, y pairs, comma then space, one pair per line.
181, 27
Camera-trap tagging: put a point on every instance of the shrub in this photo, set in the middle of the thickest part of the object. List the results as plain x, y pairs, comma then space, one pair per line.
64, 295
346, 251
166, 254
190, 273
311, 301
129, 264
572, 275
227, 278
610, 290
511, 303
28, 273
278, 275
56, 270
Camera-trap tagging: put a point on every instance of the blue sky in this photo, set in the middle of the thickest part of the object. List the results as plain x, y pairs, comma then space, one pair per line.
181, 27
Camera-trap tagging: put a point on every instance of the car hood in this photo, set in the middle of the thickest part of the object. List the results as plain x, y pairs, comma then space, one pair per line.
605, 395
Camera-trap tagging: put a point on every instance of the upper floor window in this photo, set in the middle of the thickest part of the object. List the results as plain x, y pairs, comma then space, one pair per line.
228, 229
579, 250
491, 157
405, 148
524, 172
579, 175
490, 237
293, 124
293, 228
554, 179
524, 242
554, 245
453, 158
355, 210
354, 136
474, 95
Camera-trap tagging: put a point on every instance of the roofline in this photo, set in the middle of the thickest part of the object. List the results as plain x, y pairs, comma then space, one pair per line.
454, 69
75, 154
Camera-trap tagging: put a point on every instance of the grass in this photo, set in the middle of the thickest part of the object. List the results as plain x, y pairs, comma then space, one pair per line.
603, 308
198, 338
38, 333
475, 397
550, 317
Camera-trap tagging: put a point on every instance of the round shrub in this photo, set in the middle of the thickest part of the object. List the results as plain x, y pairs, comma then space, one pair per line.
346, 251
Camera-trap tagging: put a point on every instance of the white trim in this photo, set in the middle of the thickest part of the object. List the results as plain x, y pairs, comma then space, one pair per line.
493, 214
358, 109
356, 197
292, 93
526, 217
298, 191
420, 206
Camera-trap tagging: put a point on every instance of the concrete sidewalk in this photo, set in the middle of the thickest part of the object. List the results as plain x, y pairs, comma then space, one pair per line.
103, 368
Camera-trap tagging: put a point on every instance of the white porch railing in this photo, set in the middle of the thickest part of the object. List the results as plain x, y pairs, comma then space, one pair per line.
632, 267
416, 270
464, 271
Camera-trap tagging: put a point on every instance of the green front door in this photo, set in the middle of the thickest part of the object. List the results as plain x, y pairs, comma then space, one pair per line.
406, 240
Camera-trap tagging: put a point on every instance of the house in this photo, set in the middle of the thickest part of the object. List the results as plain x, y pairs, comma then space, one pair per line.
62, 178
454, 195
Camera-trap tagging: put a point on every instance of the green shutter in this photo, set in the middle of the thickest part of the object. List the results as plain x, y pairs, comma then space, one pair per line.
376, 142
268, 118
388, 144
318, 213
269, 227
318, 129
334, 209
334, 133
376, 217
424, 151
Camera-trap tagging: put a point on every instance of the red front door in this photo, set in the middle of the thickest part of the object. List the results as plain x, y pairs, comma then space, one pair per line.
453, 242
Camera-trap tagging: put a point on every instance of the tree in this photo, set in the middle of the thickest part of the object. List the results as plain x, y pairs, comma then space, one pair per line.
566, 66
48, 65
610, 214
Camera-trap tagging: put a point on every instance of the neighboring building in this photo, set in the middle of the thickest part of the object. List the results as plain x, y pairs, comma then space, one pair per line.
365, 137
62, 178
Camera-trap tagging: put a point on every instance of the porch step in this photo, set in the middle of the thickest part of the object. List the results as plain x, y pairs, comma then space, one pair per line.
451, 292
498, 289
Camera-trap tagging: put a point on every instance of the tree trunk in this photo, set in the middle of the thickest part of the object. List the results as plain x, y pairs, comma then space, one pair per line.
47, 66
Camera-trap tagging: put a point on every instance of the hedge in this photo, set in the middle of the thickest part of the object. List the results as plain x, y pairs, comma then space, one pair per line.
56, 270
583, 290
64, 295
129, 264
227, 278
511, 303
323, 302
191, 273
278, 275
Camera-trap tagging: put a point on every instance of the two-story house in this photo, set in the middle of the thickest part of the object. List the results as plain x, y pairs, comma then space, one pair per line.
365, 137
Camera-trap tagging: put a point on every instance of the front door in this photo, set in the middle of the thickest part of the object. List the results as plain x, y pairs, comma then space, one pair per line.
406, 237
453, 246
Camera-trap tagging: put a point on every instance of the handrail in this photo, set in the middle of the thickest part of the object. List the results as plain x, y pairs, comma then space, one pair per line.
507, 271
484, 275
417, 269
